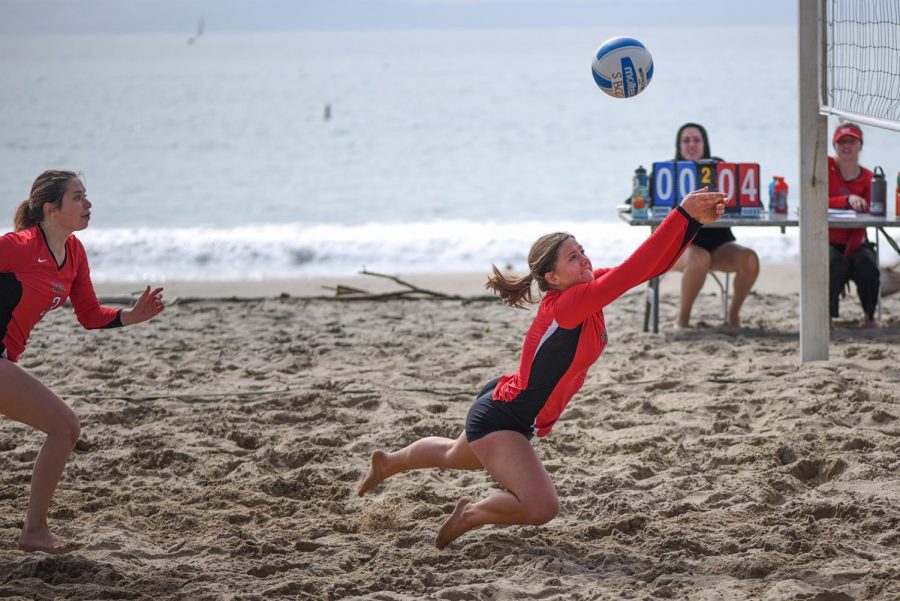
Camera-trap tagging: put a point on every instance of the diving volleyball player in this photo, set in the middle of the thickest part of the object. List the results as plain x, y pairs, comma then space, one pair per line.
566, 337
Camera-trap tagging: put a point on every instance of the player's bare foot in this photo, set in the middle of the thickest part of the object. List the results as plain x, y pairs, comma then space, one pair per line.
455, 526
42, 540
868, 323
376, 473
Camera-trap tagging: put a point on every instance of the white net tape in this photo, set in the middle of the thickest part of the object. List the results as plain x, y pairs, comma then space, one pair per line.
862, 70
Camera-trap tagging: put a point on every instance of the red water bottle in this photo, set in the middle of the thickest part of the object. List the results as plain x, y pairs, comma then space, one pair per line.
780, 195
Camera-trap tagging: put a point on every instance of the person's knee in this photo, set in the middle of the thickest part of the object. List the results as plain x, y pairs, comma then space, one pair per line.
541, 509
749, 263
68, 428
697, 260
867, 270
839, 272
459, 456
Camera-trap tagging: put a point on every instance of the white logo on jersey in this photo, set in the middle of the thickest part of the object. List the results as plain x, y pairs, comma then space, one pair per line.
42, 260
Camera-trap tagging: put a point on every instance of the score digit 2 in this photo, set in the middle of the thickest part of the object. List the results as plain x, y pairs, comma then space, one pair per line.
706, 175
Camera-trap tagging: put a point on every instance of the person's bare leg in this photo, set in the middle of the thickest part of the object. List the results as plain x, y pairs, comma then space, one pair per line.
744, 263
434, 451
529, 496
694, 265
24, 399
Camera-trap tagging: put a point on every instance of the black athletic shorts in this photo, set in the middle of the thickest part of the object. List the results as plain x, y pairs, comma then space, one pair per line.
487, 415
711, 238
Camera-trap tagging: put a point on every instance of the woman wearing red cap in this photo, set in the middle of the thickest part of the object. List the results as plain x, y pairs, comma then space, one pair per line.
852, 256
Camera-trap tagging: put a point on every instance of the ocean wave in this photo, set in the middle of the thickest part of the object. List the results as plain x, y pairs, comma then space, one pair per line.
304, 251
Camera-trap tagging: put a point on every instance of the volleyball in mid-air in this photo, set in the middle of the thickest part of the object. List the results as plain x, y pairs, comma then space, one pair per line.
622, 67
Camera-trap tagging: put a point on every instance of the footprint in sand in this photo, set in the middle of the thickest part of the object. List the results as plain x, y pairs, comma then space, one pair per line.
785, 455
246, 441
817, 471
857, 444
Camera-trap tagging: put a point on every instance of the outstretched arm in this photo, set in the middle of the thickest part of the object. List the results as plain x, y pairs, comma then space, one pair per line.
92, 314
652, 258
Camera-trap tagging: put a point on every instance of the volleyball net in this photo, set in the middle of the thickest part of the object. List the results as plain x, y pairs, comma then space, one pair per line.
861, 66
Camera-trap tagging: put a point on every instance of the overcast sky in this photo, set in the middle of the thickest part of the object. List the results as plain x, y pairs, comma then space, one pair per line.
86, 16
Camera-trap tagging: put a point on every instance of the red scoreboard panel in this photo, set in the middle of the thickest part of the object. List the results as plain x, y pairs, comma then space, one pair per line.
738, 181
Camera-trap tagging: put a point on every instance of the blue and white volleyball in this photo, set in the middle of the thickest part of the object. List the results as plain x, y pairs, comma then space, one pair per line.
622, 67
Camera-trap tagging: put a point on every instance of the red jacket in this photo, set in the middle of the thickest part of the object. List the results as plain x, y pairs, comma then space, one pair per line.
839, 190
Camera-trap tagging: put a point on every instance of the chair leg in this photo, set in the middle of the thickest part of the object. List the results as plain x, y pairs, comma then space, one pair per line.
725, 297
647, 302
724, 290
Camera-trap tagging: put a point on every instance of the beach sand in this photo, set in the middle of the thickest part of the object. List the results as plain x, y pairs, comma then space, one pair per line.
222, 444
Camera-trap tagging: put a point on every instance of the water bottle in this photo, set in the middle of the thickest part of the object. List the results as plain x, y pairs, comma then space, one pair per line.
778, 194
878, 197
897, 204
640, 188
772, 196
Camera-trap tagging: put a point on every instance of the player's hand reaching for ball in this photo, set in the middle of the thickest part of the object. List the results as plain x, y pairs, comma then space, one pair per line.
148, 306
703, 205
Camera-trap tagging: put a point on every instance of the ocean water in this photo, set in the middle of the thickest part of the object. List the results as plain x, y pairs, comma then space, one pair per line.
442, 150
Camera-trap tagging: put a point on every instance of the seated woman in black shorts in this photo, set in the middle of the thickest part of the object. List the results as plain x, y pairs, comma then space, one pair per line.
714, 248
567, 336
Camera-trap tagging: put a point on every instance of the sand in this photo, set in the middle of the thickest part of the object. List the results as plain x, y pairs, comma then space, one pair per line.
222, 443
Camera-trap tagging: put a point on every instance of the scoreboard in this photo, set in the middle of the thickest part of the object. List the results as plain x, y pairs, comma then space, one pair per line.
671, 181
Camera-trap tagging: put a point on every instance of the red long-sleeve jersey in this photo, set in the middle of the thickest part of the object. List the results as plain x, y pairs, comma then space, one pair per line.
839, 191
569, 333
31, 284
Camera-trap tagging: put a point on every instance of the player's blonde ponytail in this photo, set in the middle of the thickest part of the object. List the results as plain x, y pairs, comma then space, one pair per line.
516, 291
49, 187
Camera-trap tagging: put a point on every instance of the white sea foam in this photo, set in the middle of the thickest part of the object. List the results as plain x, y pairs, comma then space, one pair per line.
292, 250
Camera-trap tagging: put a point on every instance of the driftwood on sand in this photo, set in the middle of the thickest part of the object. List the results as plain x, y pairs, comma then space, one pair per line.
409, 291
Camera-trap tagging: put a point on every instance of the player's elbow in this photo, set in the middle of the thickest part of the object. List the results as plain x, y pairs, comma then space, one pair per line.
88, 324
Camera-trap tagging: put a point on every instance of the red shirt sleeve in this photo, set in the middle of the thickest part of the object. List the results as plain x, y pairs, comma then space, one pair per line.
11, 250
91, 314
654, 257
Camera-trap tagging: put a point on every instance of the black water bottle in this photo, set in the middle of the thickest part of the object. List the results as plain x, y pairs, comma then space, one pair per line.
878, 197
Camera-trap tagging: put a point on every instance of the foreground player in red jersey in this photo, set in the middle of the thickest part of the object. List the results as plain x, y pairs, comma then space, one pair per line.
41, 265
566, 338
